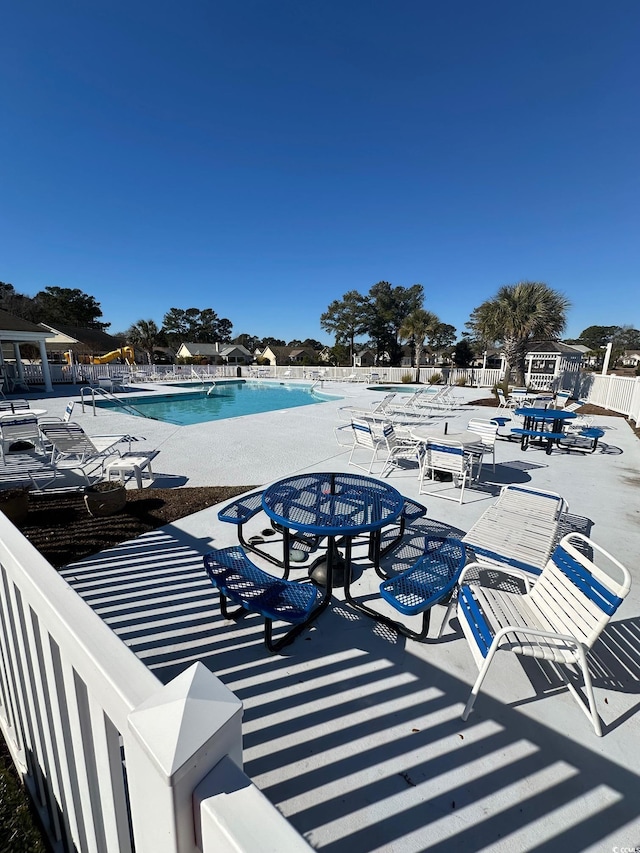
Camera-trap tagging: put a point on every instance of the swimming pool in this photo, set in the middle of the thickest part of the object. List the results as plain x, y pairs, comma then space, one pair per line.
220, 401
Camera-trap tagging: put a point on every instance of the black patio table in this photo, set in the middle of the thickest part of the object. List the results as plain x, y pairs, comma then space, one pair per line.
333, 505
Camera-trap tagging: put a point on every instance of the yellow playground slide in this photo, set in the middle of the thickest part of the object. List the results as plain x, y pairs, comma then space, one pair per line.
123, 353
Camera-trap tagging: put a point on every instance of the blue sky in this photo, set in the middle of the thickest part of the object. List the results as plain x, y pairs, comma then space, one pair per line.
263, 157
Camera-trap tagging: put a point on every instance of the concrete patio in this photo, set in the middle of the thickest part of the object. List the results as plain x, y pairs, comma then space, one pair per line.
354, 733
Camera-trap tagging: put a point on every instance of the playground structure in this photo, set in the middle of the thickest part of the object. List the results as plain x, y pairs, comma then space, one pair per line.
125, 353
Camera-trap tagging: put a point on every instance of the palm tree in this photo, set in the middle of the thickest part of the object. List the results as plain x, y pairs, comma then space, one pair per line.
518, 314
419, 325
145, 335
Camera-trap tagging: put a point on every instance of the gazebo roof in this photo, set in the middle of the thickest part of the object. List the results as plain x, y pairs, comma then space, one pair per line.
14, 328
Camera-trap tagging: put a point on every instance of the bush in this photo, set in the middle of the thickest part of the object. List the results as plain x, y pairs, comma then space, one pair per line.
435, 379
461, 381
406, 378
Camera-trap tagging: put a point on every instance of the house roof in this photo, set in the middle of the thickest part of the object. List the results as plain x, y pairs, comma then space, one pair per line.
552, 347
580, 347
90, 340
235, 348
58, 338
216, 348
201, 349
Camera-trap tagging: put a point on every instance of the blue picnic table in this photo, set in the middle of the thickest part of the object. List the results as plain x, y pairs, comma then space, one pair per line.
543, 425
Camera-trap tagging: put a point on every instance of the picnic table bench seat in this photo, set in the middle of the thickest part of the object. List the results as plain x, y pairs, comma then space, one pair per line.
428, 581
254, 590
584, 441
243, 509
538, 433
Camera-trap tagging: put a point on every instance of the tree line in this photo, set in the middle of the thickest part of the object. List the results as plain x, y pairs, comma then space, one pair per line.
513, 319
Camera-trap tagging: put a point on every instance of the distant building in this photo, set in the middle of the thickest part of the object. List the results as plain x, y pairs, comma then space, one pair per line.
290, 355
630, 358
218, 353
82, 342
552, 358
364, 358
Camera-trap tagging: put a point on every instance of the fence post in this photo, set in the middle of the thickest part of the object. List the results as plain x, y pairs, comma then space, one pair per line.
178, 735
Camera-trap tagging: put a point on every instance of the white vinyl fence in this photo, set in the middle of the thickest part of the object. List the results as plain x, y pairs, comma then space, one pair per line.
617, 393
114, 760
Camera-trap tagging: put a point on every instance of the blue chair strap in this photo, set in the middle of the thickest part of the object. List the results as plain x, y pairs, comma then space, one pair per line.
476, 621
445, 448
585, 581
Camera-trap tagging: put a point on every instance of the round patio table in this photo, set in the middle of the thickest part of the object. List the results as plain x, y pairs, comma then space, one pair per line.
332, 505
467, 439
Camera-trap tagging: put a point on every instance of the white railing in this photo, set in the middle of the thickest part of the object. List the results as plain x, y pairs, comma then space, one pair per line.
77, 707
448, 375
617, 393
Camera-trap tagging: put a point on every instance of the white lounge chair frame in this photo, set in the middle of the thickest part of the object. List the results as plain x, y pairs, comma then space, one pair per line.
72, 448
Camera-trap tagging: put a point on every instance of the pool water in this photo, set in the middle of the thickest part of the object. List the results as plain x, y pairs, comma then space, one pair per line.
219, 402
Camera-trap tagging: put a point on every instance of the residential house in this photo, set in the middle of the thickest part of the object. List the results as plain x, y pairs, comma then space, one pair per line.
490, 359
217, 353
290, 355
630, 358
364, 358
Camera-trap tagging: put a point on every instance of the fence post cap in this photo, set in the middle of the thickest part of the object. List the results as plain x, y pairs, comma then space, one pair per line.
176, 724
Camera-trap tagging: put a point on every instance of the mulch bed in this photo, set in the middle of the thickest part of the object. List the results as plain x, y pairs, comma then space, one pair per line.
60, 527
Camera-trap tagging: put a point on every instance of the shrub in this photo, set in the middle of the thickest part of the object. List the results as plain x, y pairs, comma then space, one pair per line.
406, 378
461, 381
435, 379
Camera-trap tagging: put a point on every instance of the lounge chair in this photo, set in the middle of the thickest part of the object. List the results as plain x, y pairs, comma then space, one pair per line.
519, 530
505, 402
13, 406
557, 619
72, 448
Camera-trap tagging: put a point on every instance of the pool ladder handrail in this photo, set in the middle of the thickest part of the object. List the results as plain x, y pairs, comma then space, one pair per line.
109, 395
204, 380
